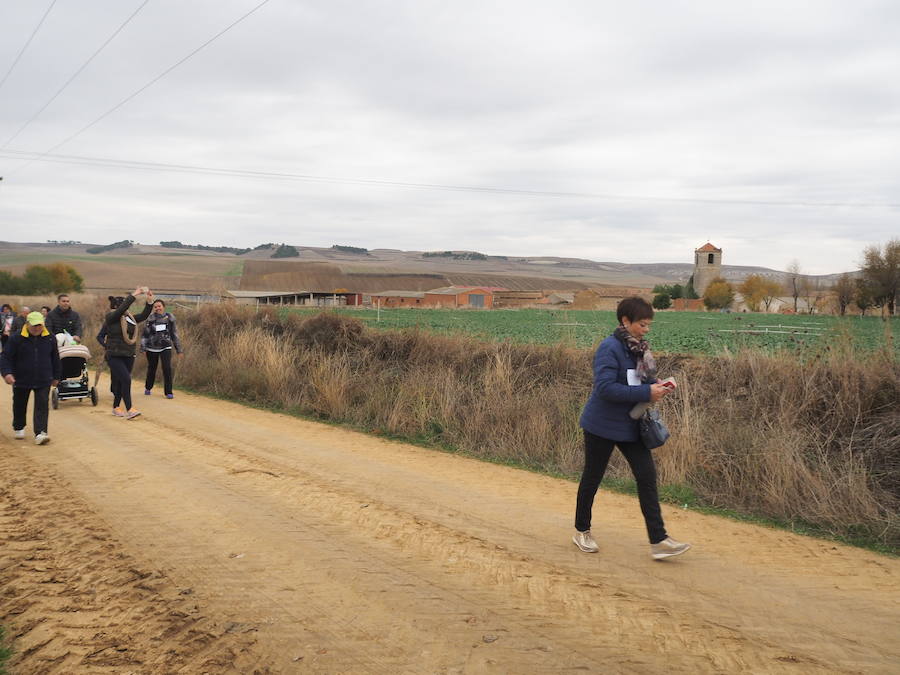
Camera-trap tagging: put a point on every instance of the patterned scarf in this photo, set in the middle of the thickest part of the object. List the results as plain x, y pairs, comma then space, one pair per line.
640, 349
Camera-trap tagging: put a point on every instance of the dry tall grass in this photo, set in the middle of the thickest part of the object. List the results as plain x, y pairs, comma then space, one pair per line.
816, 441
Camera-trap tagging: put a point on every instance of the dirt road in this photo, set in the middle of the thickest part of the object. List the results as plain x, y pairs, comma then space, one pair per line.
210, 537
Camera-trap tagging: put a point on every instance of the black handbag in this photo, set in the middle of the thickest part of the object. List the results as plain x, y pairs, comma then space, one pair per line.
653, 430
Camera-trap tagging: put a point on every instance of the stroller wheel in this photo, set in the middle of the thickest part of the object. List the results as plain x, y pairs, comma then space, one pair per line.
94, 396
54, 399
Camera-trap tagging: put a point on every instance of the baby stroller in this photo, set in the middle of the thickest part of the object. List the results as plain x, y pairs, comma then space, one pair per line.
74, 383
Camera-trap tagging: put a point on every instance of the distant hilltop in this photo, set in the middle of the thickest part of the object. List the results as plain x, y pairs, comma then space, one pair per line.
215, 267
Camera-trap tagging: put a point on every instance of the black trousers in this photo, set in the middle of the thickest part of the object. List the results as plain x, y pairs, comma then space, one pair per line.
41, 408
597, 452
153, 359
120, 379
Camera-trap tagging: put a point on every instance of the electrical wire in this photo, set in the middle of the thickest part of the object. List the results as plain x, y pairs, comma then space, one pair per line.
104, 162
28, 42
148, 84
75, 75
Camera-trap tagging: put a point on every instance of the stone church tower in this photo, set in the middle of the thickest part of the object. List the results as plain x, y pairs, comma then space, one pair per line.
707, 266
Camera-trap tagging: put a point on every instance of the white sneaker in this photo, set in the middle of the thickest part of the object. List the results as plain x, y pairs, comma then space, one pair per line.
667, 548
41, 438
585, 541
20, 434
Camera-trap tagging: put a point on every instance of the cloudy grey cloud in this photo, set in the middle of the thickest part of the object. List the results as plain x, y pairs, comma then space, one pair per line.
645, 105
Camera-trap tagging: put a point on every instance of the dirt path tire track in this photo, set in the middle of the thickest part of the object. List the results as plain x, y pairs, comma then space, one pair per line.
339, 552
76, 601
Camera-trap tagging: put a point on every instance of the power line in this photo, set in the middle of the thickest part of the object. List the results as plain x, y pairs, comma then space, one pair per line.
28, 42
153, 81
75, 75
104, 162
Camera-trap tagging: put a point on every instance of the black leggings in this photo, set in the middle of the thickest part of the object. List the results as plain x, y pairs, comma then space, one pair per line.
153, 359
597, 452
120, 379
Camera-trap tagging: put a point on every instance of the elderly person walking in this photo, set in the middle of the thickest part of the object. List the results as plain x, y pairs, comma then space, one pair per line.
624, 374
30, 363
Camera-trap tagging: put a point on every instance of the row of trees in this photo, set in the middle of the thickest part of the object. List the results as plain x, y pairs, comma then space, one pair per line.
41, 280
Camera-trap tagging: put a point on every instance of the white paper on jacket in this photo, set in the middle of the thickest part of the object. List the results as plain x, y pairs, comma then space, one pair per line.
632, 378
160, 327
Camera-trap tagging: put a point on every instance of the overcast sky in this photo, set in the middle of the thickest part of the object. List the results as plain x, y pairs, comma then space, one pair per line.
629, 132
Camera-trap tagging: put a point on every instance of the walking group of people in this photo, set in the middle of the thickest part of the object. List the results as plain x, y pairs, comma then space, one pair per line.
624, 375
30, 360
119, 336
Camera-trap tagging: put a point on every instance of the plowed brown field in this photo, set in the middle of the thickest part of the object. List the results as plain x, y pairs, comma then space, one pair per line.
209, 537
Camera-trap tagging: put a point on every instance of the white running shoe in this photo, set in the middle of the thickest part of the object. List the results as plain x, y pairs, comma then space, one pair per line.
41, 438
585, 541
667, 548
20, 434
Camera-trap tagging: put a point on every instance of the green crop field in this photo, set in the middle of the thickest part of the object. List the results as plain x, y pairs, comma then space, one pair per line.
672, 332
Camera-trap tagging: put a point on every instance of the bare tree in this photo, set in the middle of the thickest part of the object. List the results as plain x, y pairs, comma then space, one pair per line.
813, 291
793, 281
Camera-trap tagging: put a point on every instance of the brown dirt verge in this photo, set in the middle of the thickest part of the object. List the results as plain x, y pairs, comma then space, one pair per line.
74, 600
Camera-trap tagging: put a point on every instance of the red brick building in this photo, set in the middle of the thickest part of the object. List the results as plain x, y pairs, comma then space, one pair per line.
461, 296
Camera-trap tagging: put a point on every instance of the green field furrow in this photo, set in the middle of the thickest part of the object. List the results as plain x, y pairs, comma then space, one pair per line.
672, 332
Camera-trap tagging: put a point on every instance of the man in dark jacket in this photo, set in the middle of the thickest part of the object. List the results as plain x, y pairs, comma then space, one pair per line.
19, 321
64, 318
30, 363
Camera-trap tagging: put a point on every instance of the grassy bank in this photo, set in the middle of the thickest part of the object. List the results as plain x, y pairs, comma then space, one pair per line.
813, 443
5, 652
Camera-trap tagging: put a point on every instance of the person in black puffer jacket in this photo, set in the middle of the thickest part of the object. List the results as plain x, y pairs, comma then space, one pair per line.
63, 318
30, 363
160, 338
121, 338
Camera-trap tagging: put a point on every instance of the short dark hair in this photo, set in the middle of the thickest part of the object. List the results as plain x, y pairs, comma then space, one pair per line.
61, 296
115, 301
635, 308
160, 301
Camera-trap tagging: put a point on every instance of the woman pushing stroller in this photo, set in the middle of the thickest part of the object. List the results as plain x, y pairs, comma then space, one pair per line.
121, 337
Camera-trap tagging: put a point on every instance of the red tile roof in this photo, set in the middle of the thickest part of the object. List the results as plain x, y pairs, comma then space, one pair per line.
708, 248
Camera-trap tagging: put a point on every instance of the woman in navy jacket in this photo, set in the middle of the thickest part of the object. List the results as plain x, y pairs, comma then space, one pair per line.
624, 374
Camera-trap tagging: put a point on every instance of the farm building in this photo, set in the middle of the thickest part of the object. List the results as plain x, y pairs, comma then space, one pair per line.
336, 298
398, 299
605, 298
560, 298
518, 298
461, 296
